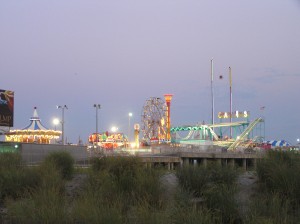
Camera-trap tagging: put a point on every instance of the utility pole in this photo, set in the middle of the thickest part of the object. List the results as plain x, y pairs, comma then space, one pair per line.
97, 106
212, 93
230, 89
62, 122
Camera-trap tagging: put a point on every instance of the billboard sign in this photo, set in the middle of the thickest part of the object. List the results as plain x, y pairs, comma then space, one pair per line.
6, 108
235, 114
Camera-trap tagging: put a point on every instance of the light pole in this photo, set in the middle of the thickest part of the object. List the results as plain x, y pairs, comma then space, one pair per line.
97, 106
129, 116
62, 122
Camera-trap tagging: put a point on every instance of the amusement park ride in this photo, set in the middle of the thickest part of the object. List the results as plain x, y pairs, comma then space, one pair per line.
156, 128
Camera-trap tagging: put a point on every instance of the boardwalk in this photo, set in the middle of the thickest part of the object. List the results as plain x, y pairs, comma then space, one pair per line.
169, 157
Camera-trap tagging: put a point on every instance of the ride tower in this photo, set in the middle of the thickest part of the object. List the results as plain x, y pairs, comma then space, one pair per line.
168, 98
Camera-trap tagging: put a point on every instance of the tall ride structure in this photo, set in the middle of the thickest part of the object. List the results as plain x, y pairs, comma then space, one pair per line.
168, 98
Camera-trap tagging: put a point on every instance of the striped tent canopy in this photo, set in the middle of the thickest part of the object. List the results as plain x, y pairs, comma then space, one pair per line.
275, 143
35, 122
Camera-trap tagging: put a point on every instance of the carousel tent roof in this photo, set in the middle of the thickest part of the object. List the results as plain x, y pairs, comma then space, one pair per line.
280, 143
35, 122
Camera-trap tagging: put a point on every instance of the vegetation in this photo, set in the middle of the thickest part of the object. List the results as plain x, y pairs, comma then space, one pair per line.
215, 185
278, 199
63, 161
14, 179
122, 190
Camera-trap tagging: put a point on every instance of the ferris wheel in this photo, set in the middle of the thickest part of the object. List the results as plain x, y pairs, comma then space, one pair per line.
154, 118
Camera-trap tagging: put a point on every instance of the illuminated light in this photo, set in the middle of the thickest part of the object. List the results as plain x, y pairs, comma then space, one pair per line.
114, 129
236, 114
168, 97
162, 121
56, 121
16, 146
220, 115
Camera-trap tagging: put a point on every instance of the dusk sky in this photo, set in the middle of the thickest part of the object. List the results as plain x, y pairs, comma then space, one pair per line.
119, 53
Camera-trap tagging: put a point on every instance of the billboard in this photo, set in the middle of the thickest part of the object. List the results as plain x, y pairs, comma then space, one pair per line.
6, 108
235, 114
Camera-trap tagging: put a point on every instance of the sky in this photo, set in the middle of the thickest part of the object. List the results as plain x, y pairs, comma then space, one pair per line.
119, 53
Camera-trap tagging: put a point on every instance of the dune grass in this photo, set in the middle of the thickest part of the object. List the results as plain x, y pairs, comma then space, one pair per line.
122, 190
278, 199
215, 186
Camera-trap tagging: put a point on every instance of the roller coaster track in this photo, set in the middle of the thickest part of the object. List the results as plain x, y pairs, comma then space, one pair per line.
244, 134
215, 136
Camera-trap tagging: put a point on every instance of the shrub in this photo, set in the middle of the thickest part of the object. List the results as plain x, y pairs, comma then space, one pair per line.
186, 211
193, 179
220, 198
197, 179
271, 208
216, 187
122, 183
94, 207
42, 206
63, 161
10, 161
278, 174
14, 178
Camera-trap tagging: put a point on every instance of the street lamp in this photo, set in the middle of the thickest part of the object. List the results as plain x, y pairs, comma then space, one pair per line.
55, 122
97, 106
62, 122
129, 116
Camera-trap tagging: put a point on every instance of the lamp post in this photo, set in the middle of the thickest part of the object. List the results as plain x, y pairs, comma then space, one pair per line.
97, 106
63, 122
129, 116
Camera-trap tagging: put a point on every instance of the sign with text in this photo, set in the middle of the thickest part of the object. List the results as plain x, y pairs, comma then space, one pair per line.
235, 114
6, 108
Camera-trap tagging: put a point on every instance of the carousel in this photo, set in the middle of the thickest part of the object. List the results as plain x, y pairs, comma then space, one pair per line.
35, 132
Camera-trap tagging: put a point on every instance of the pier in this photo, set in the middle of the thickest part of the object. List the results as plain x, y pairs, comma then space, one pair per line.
167, 157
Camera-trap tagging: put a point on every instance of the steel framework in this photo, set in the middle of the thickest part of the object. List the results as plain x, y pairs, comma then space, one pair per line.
154, 117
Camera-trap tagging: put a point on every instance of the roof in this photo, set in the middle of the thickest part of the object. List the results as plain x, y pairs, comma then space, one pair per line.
35, 122
275, 143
